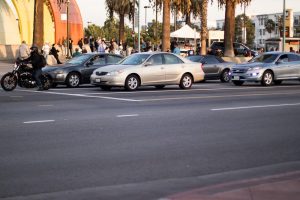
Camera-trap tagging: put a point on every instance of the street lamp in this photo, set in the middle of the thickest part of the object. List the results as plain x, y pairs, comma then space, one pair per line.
146, 15
68, 30
284, 16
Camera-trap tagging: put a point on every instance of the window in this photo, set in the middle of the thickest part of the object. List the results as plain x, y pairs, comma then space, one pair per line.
99, 60
284, 58
211, 60
293, 58
156, 60
171, 59
113, 59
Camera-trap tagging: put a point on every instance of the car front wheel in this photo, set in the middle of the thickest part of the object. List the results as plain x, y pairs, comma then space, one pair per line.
225, 76
73, 80
267, 78
186, 81
132, 82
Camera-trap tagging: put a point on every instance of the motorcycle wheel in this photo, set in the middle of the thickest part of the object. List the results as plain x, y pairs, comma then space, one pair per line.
9, 81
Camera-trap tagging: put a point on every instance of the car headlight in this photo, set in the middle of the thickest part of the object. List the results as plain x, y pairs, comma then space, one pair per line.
114, 73
254, 68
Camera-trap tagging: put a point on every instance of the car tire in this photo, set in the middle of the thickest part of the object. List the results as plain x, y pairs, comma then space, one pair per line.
238, 83
225, 77
132, 82
186, 81
277, 82
159, 86
267, 78
73, 80
105, 87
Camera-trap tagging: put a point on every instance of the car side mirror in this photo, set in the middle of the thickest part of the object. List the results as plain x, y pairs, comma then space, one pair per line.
147, 63
89, 63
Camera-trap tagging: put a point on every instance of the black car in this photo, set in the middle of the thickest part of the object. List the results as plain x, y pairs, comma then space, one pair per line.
214, 67
78, 70
217, 49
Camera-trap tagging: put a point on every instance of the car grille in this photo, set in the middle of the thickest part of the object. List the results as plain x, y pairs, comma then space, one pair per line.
239, 70
101, 73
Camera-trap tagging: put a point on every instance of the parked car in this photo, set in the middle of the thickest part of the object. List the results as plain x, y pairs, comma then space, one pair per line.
217, 49
268, 68
214, 67
150, 68
78, 70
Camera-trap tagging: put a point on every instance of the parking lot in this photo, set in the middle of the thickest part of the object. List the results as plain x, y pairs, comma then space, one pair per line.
74, 142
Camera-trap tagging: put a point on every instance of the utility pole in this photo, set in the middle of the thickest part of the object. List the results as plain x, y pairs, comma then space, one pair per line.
283, 37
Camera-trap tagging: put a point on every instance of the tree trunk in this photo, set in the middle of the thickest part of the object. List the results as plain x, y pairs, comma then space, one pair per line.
121, 29
38, 24
203, 32
166, 26
229, 28
188, 19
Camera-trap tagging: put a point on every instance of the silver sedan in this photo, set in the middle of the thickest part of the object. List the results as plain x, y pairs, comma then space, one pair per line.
268, 68
151, 68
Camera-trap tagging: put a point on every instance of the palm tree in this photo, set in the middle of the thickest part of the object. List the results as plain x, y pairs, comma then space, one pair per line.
203, 18
122, 8
166, 25
270, 26
229, 28
38, 24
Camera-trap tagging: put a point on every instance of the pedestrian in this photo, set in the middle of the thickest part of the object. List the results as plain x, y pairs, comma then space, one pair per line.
71, 46
76, 53
102, 46
80, 43
24, 51
292, 50
64, 47
46, 50
176, 50
91, 41
84, 50
54, 52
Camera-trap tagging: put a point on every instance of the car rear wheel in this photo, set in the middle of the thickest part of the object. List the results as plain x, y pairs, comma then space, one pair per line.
132, 82
238, 83
267, 78
225, 76
73, 80
159, 86
186, 81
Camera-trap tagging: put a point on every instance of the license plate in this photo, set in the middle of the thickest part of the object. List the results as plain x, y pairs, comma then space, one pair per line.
236, 78
98, 80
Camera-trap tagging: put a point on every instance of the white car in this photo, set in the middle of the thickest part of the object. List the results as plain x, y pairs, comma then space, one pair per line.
150, 68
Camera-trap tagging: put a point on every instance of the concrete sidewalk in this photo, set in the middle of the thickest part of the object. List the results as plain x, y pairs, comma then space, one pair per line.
278, 187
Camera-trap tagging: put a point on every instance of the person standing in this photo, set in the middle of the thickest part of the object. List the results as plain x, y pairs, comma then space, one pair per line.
24, 51
176, 50
71, 47
77, 53
46, 50
102, 46
80, 43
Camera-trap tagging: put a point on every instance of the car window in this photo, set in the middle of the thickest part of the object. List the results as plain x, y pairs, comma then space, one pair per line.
135, 59
171, 59
79, 59
211, 60
111, 59
293, 58
156, 60
195, 58
283, 58
265, 58
99, 60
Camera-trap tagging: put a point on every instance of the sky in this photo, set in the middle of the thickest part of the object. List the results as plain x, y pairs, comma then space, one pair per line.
94, 10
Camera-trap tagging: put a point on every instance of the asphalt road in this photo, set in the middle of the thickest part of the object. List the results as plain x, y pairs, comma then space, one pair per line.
86, 143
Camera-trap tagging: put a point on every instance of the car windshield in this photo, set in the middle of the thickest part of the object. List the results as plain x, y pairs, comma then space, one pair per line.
134, 59
266, 58
78, 59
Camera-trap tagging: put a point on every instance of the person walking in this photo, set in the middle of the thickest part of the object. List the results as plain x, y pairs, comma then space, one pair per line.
70, 46
54, 52
23, 51
46, 50
102, 46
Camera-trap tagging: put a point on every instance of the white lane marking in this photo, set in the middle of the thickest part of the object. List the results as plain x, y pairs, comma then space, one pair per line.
179, 90
221, 96
251, 107
82, 95
41, 121
132, 115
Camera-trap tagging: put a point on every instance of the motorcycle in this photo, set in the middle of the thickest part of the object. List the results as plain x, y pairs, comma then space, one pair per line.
22, 75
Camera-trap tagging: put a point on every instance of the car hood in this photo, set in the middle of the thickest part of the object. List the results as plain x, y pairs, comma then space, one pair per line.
248, 65
112, 68
57, 67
